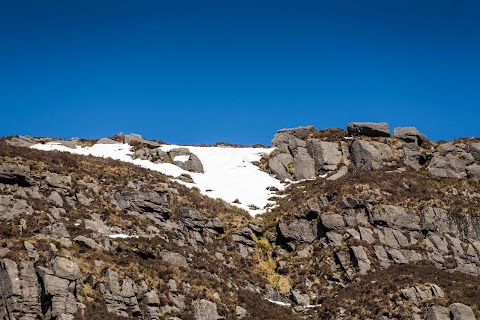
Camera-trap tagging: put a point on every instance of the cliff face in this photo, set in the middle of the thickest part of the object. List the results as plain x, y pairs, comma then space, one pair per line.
385, 227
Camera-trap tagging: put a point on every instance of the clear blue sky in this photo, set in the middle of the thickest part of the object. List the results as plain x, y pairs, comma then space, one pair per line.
237, 70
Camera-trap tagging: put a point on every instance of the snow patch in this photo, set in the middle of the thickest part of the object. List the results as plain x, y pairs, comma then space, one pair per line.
181, 158
229, 172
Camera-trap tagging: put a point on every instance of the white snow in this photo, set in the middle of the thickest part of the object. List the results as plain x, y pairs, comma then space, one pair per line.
229, 172
121, 236
284, 304
181, 158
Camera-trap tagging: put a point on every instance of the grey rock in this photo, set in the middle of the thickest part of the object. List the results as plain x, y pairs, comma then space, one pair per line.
382, 256
205, 310
339, 174
447, 166
438, 313
186, 178
412, 135
156, 203
240, 312
21, 141
174, 258
66, 269
192, 164
414, 158
460, 311
304, 165
360, 258
299, 230
473, 170
370, 155
88, 243
366, 234
474, 149
195, 220
327, 155
331, 222
334, 238
56, 180
301, 298
280, 164
283, 136
369, 129
107, 141
394, 217
56, 199
151, 299
12, 173
397, 256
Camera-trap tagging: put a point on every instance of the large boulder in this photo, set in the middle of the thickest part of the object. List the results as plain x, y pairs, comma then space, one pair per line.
394, 217
183, 158
327, 155
304, 166
438, 313
12, 173
459, 311
205, 310
283, 136
370, 155
474, 149
447, 166
299, 230
369, 129
280, 165
412, 135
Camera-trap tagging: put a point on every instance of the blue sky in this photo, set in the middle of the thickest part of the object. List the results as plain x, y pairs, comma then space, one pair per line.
236, 71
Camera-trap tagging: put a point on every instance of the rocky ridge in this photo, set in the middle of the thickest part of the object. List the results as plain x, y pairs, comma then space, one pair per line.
84, 237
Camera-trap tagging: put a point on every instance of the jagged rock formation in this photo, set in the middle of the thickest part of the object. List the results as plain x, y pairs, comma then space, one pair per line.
302, 154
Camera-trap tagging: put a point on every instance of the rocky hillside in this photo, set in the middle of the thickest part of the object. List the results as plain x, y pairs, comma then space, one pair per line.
375, 227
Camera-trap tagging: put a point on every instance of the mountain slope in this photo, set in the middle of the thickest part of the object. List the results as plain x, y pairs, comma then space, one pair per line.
376, 226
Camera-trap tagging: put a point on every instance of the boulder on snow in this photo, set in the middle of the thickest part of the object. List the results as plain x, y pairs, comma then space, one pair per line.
280, 165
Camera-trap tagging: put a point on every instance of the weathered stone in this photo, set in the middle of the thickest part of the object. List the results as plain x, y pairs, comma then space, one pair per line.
12, 173
66, 269
57, 180
366, 234
438, 313
370, 155
474, 149
394, 217
473, 170
382, 256
331, 222
240, 312
397, 256
369, 129
174, 258
155, 202
280, 165
107, 141
412, 135
327, 155
334, 238
88, 243
447, 166
301, 298
460, 311
299, 230
304, 165
195, 220
205, 310
361, 259
339, 174
283, 136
